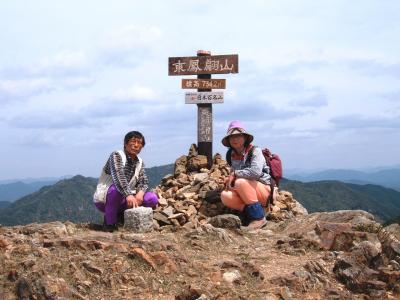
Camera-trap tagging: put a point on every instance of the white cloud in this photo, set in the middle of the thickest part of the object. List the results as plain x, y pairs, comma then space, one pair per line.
62, 63
364, 122
24, 88
129, 45
77, 82
136, 92
66, 70
131, 37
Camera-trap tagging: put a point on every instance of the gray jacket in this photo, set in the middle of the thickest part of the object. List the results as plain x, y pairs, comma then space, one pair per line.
254, 169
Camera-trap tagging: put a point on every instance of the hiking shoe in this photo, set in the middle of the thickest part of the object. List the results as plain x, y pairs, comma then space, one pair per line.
121, 218
257, 224
243, 219
110, 228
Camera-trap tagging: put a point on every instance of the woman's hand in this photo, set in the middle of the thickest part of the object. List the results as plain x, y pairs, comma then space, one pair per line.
229, 181
131, 201
139, 197
226, 182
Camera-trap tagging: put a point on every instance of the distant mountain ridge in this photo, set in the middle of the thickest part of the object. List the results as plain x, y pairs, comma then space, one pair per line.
15, 190
4, 204
330, 195
68, 199
156, 173
71, 199
387, 177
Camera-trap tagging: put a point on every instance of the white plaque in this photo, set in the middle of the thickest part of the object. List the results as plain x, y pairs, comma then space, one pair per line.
204, 97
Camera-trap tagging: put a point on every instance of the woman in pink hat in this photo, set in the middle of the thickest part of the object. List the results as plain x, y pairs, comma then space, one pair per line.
248, 185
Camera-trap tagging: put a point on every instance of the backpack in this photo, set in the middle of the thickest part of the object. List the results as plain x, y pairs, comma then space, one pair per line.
274, 163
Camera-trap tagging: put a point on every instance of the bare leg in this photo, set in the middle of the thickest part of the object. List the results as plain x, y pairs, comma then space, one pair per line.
232, 200
245, 192
251, 191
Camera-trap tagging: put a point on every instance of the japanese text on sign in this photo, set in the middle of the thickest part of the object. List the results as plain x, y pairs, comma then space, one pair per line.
205, 125
204, 97
203, 83
218, 64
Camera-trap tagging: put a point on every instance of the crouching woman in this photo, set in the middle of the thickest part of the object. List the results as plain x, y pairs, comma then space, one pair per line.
248, 185
123, 182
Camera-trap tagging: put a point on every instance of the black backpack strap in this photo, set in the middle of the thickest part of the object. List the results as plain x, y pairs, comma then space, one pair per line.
250, 154
228, 157
270, 200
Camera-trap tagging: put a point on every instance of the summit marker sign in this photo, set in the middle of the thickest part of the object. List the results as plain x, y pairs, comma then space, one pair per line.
195, 65
203, 65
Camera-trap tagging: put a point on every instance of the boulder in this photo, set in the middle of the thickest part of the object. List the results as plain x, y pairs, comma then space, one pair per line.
196, 163
139, 219
225, 221
180, 165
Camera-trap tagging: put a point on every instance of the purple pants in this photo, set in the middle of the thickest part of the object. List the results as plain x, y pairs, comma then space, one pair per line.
116, 204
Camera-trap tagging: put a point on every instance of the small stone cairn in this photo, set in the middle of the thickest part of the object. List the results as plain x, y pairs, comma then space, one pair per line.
191, 196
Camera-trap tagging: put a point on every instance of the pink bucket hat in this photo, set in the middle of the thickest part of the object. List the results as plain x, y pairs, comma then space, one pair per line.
236, 127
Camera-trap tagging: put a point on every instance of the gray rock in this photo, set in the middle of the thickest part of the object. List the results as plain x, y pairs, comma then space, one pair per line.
196, 163
139, 219
233, 276
367, 249
394, 229
168, 211
299, 209
225, 221
193, 150
200, 177
180, 165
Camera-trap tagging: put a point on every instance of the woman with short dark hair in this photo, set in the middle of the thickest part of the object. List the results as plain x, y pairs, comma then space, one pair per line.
123, 182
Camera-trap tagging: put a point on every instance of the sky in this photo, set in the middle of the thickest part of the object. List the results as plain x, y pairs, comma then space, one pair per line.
318, 81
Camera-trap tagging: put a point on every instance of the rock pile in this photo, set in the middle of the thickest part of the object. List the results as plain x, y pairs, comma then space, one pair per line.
190, 196
365, 256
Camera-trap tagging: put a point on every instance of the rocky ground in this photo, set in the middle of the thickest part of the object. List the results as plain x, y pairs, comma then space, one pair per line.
198, 250
338, 255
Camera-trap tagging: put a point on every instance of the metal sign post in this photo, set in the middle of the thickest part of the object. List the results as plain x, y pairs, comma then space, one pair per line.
203, 65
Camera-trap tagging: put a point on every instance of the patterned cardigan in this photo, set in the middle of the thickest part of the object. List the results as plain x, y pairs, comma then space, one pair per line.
121, 175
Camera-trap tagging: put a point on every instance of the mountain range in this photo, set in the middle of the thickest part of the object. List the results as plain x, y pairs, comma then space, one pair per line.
384, 177
13, 190
71, 199
330, 195
68, 199
4, 204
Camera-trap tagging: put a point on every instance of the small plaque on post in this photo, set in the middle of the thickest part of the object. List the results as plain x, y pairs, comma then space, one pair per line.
204, 97
203, 83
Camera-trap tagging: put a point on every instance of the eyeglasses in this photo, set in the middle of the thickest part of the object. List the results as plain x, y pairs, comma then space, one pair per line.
135, 142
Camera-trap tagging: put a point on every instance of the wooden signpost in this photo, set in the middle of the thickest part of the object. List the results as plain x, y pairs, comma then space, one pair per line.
203, 65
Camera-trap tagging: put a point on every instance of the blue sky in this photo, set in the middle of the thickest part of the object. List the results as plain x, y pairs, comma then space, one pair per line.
318, 81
